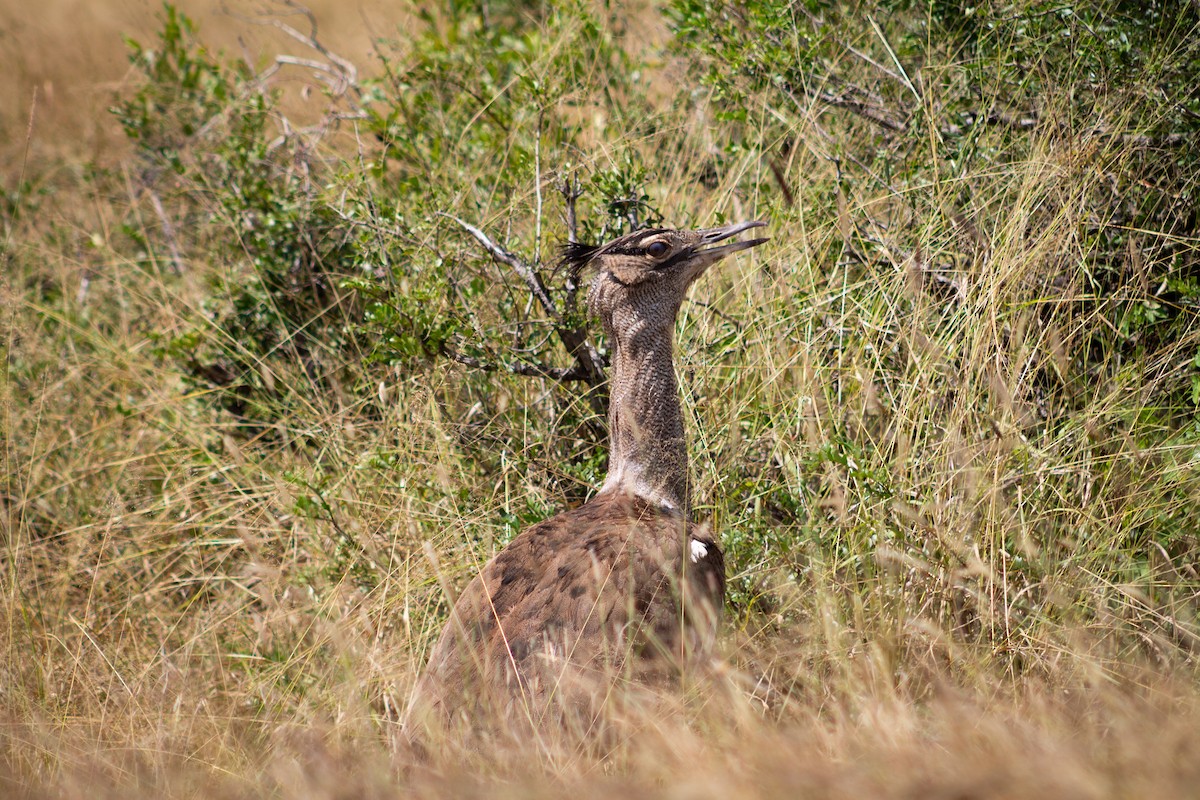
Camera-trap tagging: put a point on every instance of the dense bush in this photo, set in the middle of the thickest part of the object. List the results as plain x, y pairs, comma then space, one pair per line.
343, 267
947, 103
1014, 254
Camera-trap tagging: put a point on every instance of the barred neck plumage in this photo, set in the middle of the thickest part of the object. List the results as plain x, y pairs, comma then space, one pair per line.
640, 283
648, 456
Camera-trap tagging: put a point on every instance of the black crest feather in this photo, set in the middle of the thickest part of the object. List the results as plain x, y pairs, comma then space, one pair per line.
576, 255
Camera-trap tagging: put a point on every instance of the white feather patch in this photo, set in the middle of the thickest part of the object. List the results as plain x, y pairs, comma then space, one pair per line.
699, 550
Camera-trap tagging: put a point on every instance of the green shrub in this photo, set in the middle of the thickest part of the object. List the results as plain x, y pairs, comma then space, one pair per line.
1004, 289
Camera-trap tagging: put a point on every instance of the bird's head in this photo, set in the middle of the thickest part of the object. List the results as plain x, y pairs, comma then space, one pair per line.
649, 271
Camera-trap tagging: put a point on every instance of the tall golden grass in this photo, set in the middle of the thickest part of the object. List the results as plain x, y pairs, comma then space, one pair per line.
172, 627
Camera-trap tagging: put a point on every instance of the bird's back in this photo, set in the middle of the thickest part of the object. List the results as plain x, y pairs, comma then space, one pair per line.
616, 586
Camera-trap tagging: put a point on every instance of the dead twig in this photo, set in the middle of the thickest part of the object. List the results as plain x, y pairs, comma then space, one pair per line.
168, 230
574, 339
343, 71
530, 276
526, 368
571, 191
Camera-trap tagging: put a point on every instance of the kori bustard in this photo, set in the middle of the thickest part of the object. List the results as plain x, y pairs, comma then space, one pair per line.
626, 580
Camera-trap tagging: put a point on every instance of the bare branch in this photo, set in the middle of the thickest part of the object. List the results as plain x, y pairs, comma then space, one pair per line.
335, 78
571, 191
168, 230
631, 213
847, 100
993, 117
530, 369
531, 277
343, 72
876, 115
781, 181
587, 361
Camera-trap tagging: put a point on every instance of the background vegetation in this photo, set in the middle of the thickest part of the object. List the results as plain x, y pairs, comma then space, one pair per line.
290, 355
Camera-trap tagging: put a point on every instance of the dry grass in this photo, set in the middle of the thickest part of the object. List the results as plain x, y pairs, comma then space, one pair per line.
173, 627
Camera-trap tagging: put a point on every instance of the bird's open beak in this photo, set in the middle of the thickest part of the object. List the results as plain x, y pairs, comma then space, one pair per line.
707, 256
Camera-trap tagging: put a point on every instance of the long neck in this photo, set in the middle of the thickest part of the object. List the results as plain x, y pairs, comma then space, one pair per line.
649, 452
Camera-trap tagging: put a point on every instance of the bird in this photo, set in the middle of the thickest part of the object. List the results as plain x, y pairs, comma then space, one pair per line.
626, 584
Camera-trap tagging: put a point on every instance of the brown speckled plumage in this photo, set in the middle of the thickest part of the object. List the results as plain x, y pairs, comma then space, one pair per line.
626, 584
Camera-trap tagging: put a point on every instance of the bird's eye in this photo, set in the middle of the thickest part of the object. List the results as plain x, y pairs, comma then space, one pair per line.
657, 249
